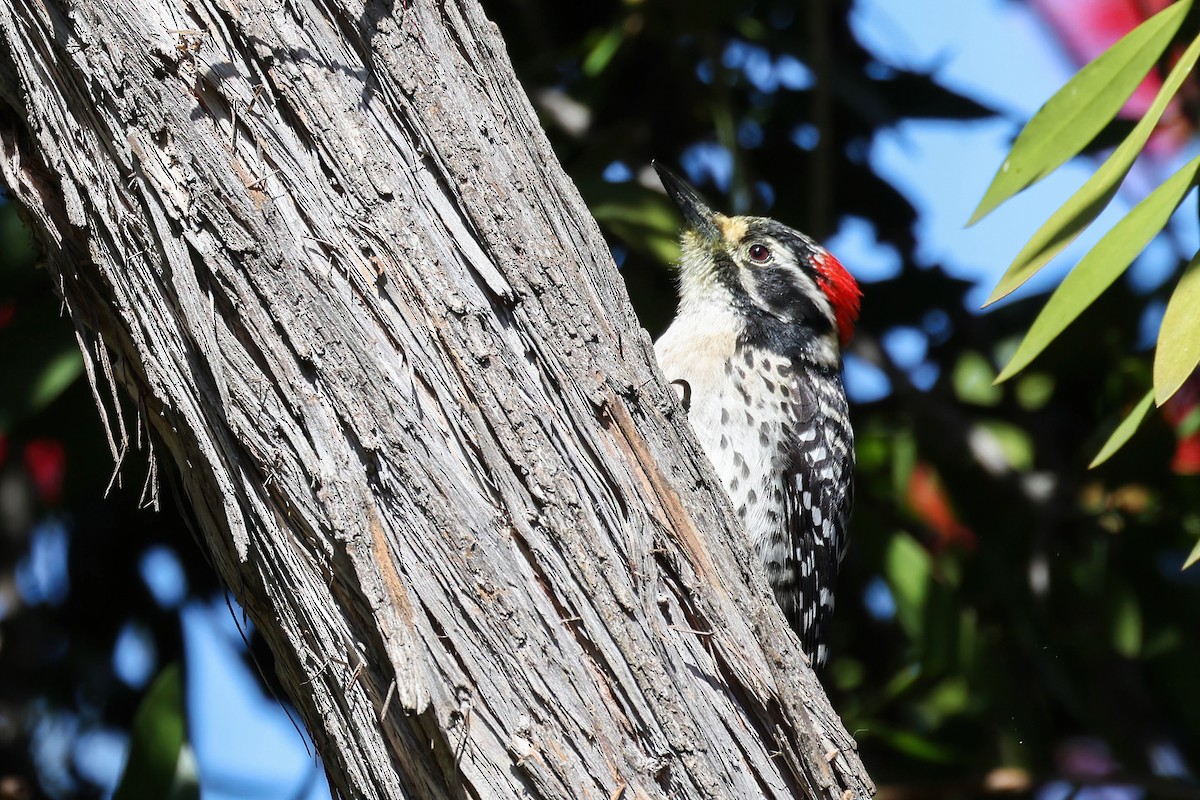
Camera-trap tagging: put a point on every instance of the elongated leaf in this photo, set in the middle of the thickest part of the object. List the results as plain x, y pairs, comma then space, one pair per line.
1190, 424
1103, 264
647, 224
1079, 110
1124, 431
914, 745
1178, 350
1086, 204
602, 51
55, 377
908, 570
157, 768
1127, 630
1193, 556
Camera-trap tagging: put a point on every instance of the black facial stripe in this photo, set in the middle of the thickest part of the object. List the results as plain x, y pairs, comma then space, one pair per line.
726, 272
777, 288
766, 331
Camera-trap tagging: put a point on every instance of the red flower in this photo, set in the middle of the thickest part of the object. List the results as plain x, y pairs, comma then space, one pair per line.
1187, 456
928, 499
1087, 28
46, 464
1182, 412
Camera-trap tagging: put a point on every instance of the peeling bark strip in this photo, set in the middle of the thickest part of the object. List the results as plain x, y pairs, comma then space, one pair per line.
327, 250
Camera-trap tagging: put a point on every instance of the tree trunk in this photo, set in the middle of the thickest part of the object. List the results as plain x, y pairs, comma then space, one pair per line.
329, 253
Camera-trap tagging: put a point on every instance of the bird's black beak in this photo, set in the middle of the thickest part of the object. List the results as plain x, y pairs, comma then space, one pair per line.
697, 213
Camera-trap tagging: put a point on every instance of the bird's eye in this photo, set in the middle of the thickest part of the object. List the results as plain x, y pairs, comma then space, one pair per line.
760, 253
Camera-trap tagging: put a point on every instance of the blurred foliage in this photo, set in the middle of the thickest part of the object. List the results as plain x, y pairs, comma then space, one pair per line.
160, 765
1004, 615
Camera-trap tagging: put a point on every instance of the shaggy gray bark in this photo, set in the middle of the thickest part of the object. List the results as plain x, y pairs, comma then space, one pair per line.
326, 249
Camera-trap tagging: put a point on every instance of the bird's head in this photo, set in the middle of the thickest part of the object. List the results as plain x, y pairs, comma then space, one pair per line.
762, 268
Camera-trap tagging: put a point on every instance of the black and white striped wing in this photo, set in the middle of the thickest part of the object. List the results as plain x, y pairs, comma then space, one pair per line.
818, 495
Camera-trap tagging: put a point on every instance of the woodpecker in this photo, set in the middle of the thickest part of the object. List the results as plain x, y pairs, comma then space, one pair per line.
756, 346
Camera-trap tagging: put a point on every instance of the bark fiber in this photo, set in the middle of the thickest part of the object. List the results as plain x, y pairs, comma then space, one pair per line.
327, 251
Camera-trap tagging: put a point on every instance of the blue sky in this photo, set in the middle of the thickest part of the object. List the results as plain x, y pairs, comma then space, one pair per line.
245, 744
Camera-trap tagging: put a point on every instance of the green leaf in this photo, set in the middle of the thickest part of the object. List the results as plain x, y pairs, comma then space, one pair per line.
1178, 350
160, 765
1161, 642
1079, 110
602, 51
59, 373
908, 569
40, 361
904, 459
913, 744
647, 224
1190, 423
1124, 431
1127, 626
847, 673
1034, 391
951, 696
1086, 204
902, 682
1014, 443
1103, 264
1193, 556
973, 380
